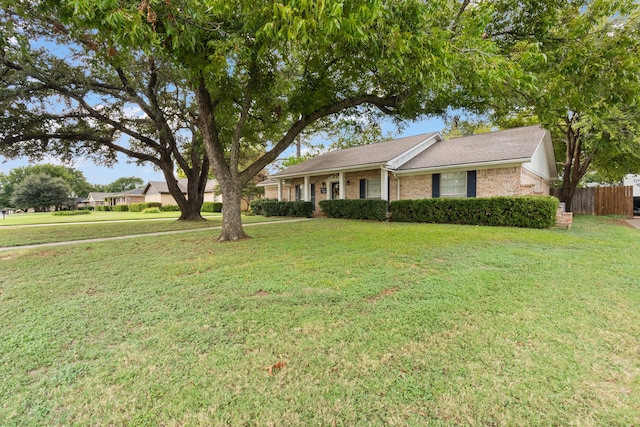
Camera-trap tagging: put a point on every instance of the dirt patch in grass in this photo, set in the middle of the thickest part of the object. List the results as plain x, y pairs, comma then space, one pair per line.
260, 293
385, 293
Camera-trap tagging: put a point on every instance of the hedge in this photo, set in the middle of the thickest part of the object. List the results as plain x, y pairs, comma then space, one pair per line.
372, 209
139, 207
294, 209
255, 207
152, 210
524, 211
211, 207
69, 213
170, 208
103, 208
120, 208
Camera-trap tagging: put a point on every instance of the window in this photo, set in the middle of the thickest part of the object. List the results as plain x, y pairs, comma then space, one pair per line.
453, 184
373, 189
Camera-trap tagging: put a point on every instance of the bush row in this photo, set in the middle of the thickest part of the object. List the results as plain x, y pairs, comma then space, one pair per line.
170, 208
120, 208
255, 207
139, 207
211, 207
294, 209
355, 209
69, 213
526, 211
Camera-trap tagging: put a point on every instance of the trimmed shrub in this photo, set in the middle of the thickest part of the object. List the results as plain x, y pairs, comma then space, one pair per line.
255, 207
211, 207
139, 207
69, 213
120, 208
523, 211
371, 209
294, 209
170, 208
103, 208
151, 210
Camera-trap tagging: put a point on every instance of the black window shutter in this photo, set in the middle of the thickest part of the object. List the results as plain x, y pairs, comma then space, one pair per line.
363, 188
435, 185
471, 183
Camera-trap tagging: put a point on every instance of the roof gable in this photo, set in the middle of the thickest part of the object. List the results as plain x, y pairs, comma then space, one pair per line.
517, 145
356, 157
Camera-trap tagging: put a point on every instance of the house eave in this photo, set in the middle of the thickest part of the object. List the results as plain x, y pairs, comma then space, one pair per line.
464, 166
328, 171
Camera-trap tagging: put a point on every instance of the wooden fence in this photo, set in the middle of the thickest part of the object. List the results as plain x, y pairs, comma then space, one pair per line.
602, 201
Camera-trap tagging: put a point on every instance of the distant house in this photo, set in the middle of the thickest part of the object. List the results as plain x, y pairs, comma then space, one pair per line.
125, 197
96, 199
158, 191
511, 162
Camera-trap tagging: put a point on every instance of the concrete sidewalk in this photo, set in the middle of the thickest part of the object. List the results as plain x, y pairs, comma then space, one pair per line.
133, 236
635, 222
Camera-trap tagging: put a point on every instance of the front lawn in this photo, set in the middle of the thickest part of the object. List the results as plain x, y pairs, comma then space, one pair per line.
35, 234
327, 322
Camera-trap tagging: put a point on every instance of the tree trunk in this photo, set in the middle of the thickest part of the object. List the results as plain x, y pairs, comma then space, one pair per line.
231, 218
189, 208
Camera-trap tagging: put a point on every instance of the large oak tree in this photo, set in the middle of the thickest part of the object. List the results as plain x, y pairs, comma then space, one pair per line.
67, 94
587, 92
263, 71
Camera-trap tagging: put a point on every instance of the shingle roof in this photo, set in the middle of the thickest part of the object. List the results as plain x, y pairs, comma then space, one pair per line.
98, 197
162, 187
373, 154
510, 144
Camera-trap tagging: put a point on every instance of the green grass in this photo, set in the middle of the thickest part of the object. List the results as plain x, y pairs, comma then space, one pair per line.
50, 218
30, 235
372, 323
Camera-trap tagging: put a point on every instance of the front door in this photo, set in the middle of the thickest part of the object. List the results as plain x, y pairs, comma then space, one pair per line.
335, 190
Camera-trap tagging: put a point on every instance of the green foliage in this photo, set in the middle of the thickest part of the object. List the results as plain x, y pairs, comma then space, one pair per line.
74, 178
71, 213
170, 208
583, 56
215, 207
528, 212
263, 72
151, 210
120, 208
355, 209
139, 207
123, 184
103, 208
294, 209
41, 192
255, 207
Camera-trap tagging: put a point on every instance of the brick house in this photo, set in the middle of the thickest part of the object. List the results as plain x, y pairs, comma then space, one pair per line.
158, 191
513, 162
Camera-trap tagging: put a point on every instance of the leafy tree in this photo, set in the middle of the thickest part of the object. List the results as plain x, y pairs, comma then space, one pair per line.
588, 90
457, 127
73, 177
124, 184
68, 94
261, 71
41, 192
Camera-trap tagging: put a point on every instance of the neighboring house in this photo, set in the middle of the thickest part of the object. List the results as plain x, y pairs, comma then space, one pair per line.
634, 181
126, 197
158, 191
511, 162
96, 199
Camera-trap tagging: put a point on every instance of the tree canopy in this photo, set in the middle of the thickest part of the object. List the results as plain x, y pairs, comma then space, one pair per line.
74, 178
41, 192
587, 84
263, 71
68, 94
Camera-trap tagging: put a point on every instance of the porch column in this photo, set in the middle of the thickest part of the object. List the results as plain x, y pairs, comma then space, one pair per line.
384, 184
307, 193
279, 190
342, 185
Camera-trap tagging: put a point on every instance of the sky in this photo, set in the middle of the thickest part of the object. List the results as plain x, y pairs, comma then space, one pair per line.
123, 168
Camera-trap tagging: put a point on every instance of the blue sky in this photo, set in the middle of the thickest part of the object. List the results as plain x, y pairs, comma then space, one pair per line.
102, 175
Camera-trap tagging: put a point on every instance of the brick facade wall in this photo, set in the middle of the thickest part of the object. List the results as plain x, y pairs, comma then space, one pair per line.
506, 181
